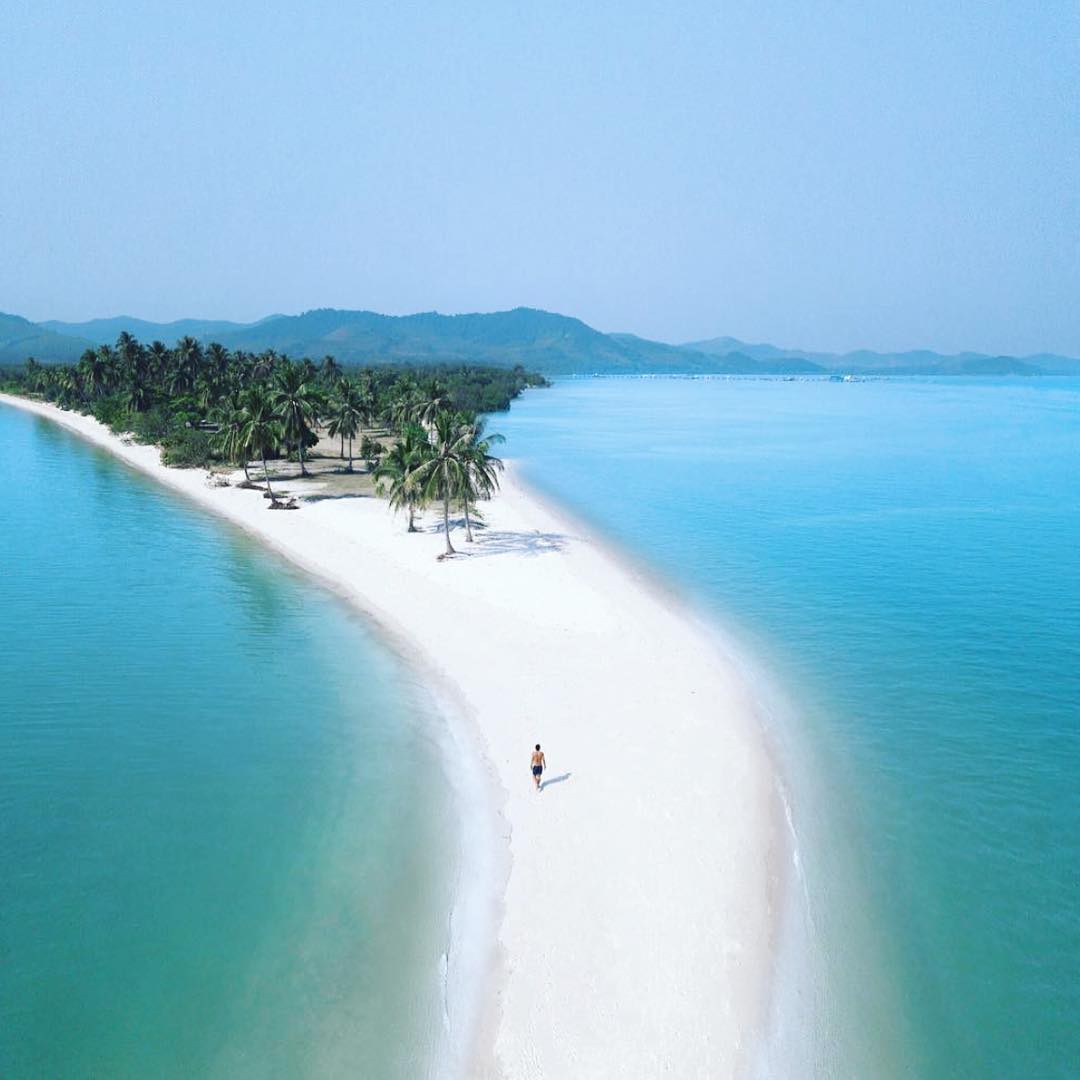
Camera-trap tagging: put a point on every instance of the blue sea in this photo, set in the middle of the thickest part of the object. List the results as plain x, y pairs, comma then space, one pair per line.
223, 819
898, 564
222, 815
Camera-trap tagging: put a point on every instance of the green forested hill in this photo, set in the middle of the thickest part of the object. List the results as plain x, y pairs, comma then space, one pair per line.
538, 340
20, 338
106, 331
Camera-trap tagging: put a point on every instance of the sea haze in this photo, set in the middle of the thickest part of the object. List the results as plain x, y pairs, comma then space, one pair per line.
898, 560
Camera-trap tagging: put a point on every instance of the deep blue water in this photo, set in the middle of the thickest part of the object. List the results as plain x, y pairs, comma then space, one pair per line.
902, 560
219, 798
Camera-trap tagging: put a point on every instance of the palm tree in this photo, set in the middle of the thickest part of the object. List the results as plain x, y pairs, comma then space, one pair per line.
264, 365
206, 390
369, 405
139, 396
482, 469
397, 474
34, 376
260, 434
187, 358
369, 400
445, 473
96, 370
129, 353
158, 359
216, 365
402, 407
297, 403
330, 372
229, 440
431, 399
242, 364
346, 415
68, 387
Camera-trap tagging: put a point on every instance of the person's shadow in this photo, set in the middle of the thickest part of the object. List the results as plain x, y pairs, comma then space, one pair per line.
556, 780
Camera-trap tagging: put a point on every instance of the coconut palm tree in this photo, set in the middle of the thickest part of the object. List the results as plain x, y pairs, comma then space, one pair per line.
346, 415
264, 365
240, 369
157, 357
260, 433
207, 390
401, 408
431, 398
139, 396
444, 474
369, 400
298, 404
34, 378
231, 416
397, 474
96, 369
330, 372
68, 387
217, 364
482, 469
187, 359
129, 355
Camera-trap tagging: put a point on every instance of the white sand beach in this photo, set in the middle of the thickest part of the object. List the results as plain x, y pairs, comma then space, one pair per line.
624, 923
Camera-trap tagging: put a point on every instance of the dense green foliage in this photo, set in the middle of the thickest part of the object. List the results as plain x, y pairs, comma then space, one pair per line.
207, 405
187, 448
162, 395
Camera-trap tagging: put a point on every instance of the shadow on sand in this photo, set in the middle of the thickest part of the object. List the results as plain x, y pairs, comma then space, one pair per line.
556, 780
317, 496
496, 542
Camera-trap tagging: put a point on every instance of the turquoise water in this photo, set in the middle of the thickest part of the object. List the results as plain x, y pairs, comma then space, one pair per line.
218, 798
902, 558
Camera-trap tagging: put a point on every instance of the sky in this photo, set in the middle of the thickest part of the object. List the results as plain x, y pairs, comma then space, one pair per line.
826, 176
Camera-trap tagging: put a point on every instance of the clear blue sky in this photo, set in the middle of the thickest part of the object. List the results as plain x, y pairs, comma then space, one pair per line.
827, 175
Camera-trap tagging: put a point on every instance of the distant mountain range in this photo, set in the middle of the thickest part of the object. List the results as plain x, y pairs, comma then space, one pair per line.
917, 362
539, 340
20, 338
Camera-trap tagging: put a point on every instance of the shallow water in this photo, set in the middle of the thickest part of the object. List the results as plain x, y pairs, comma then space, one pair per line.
900, 562
220, 803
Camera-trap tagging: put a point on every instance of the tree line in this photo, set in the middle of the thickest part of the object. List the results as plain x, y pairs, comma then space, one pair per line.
209, 404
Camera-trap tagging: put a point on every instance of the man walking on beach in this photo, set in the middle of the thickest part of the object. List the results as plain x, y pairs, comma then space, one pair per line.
538, 765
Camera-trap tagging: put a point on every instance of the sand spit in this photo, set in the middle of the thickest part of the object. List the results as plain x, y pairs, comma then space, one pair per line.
623, 923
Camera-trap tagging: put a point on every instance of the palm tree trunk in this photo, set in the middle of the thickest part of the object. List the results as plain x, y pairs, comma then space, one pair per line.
343, 444
247, 475
266, 473
412, 512
468, 522
350, 453
300, 451
446, 523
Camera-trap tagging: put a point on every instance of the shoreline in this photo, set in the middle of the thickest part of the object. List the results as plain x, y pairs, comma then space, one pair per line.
787, 978
624, 922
